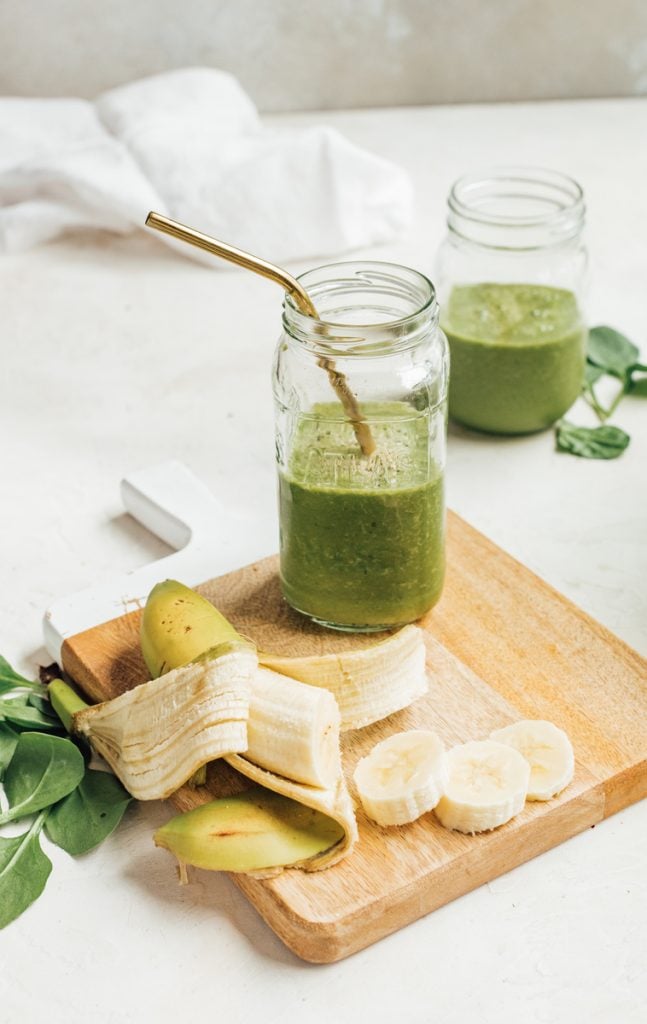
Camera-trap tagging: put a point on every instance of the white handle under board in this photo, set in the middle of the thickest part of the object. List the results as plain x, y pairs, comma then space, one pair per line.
170, 501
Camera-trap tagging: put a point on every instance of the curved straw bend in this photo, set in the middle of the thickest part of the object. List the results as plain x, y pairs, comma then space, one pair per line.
291, 285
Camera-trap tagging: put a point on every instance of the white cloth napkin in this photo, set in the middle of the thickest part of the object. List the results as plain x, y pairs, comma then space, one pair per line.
190, 144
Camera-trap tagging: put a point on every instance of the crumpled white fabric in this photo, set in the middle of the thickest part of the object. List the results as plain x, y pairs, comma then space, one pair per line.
190, 144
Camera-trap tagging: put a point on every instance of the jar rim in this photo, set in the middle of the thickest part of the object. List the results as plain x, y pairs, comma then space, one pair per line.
366, 277
470, 190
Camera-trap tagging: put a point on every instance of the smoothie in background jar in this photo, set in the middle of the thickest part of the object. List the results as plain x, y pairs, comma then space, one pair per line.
517, 355
512, 273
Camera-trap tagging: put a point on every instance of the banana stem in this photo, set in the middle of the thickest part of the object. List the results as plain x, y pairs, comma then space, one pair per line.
66, 702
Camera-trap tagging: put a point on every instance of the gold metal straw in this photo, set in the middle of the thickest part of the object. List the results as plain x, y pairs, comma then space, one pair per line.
293, 288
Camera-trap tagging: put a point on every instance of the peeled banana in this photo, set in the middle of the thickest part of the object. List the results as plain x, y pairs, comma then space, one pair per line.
293, 729
547, 750
292, 732
368, 684
155, 736
486, 786
403, 777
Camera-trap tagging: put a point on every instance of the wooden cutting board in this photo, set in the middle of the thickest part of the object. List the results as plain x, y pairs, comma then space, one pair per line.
501, 645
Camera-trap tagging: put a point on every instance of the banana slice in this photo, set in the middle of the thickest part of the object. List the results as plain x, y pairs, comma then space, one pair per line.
156, 736
403, 777
368, 684
487, 786
547, 750
293, 729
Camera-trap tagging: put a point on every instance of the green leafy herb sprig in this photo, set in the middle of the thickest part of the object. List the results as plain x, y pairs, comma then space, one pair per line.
45, 776
609, 353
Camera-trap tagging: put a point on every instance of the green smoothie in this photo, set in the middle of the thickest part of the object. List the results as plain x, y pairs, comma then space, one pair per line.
362, 539
517, 355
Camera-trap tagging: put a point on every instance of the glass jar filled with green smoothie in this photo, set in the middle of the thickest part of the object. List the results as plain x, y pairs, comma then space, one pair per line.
360, 396
511, 276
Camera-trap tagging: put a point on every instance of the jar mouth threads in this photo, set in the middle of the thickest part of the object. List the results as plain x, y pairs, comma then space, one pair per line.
521, 208
364, 307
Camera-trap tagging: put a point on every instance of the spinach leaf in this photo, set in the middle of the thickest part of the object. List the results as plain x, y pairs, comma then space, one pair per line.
44, 706
24, 870
603, 442
43, 769
88, 814
18, 712
611, 351
8, 743
11, 680
608, 352
592, 373
46, 773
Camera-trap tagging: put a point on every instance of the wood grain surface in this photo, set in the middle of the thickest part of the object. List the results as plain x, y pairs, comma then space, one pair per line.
501, 645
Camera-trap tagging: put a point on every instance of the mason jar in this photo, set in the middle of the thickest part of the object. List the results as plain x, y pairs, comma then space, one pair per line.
360, 399
511, 276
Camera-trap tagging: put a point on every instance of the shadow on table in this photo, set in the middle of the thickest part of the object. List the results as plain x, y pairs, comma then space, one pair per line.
211, 892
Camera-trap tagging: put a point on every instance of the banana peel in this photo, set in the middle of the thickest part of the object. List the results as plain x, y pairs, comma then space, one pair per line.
255, 832
334, 803
179, 626
368, 684
158, 735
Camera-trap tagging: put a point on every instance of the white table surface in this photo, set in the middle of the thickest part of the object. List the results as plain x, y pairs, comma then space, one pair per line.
118, 353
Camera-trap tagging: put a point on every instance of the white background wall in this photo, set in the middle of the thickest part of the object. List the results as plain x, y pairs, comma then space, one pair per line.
318, 54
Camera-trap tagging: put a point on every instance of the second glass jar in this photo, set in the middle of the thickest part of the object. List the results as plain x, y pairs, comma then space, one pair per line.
511, 276
362, 534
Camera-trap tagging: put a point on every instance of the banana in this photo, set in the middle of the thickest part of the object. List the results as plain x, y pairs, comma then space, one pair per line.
487, 786
368, 684
155, 736
252, 832
291, 746
403, 777
548, 751
293, 751
293, 729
